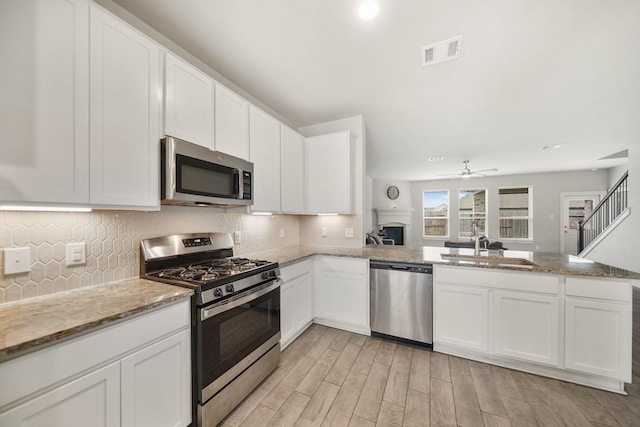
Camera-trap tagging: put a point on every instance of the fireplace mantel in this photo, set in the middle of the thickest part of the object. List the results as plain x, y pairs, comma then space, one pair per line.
393, 216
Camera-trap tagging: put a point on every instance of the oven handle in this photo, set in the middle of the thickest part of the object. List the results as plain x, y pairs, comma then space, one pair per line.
207, 313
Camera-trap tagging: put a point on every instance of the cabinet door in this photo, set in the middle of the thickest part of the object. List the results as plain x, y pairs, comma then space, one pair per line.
264, 146
461, 316
329, 173
526, 326
92, 400
124, 114
232, 123
156, 384
288, 312
292, 161
342, 293
598, 338
44, 106
188, 95
304, 300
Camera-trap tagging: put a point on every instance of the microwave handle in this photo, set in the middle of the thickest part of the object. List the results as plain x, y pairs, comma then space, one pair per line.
237, 178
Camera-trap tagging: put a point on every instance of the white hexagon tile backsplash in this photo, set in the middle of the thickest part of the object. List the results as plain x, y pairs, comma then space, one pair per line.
113, 242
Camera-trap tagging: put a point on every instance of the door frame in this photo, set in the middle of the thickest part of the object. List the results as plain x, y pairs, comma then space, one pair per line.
563, 200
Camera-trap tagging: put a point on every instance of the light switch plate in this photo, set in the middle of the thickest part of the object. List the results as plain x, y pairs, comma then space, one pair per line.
237, 239
348, 232
17, 260
282, 233
76, 253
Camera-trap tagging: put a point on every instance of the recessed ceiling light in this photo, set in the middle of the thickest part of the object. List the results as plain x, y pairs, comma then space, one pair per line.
436, 158
368, 9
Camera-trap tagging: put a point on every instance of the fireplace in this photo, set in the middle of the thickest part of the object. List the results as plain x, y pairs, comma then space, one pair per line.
395, 222
396, 233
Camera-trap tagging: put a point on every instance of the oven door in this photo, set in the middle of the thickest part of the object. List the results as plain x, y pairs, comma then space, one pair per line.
233, 334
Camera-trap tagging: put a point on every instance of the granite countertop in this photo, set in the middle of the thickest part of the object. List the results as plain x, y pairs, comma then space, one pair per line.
28, 324
545, 262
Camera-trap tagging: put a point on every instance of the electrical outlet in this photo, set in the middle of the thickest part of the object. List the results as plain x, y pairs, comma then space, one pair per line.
282, 233
323, 232
348, 232
76, 253
237, 239
17, 260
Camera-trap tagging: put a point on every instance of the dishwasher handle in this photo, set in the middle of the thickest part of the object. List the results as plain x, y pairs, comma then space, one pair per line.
412, 268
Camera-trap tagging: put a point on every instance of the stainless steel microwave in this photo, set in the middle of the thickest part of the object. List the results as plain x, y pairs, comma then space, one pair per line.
192, 175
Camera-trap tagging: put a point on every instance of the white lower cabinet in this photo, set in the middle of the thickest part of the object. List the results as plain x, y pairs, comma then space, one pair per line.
134, 373
526, 326
296, 309
155, 384
576, 329
598, 338
461, 316
598, 327
342, 293
91, 400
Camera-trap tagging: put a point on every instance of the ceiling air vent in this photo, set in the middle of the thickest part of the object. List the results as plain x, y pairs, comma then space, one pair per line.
441, 51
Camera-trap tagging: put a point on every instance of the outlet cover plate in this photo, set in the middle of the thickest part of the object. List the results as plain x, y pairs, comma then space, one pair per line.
17, 260
76, 253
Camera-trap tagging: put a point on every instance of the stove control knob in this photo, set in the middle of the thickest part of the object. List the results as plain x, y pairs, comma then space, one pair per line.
230, 287
217, 292
265, 275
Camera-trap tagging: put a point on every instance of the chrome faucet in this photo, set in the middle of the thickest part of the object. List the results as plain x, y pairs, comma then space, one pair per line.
476, 234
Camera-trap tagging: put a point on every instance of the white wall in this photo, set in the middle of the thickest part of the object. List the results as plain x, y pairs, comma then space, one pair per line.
547, 214
615, 173
620, 248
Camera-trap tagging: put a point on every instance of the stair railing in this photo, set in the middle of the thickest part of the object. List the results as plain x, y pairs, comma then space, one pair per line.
603, 215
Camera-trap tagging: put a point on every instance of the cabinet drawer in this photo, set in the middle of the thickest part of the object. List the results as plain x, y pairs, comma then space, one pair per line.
608, 289
294, 270
517, 281
344, 264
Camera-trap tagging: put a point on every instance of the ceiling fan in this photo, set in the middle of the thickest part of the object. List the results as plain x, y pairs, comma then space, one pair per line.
468, 173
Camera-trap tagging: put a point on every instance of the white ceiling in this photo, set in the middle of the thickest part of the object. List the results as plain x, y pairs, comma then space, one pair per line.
530, 74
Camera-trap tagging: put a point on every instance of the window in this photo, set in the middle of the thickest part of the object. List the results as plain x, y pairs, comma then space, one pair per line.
515, 213
472, 204
436, 213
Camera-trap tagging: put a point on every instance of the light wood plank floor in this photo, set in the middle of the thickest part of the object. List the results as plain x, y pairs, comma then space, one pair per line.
335, 378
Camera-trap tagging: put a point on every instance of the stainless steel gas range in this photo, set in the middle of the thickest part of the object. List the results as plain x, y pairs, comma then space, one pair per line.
236, 315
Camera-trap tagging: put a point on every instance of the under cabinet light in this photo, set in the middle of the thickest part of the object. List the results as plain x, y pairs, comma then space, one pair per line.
261, 213
44, 208
327, 214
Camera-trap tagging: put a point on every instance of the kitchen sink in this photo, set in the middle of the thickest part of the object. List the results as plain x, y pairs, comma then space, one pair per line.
498, 261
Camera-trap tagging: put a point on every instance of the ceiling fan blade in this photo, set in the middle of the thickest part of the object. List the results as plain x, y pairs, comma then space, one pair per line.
449, 174
485, 170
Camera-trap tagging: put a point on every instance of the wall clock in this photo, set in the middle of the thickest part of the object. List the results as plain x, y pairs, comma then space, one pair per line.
393, 192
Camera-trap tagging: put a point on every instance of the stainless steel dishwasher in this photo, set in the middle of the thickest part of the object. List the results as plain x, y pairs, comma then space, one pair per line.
402, 301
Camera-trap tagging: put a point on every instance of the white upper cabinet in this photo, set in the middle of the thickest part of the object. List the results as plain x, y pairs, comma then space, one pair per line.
188, 102
44, 103
329, 170
265, 155
292, 161
125, 111
232, 123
